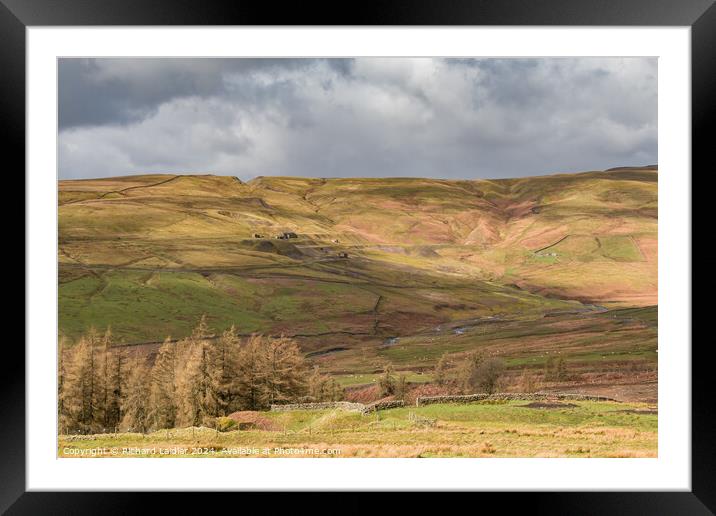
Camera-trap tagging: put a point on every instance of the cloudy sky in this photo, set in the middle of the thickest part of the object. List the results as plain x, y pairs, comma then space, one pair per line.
367, 117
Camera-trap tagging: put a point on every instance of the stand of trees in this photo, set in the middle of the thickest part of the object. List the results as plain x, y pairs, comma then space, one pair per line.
189, 383
476, 373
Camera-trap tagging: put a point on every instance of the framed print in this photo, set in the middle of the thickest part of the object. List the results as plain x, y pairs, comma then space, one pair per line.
434, 248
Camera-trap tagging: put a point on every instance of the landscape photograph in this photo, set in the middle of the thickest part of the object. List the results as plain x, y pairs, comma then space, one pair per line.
357, 257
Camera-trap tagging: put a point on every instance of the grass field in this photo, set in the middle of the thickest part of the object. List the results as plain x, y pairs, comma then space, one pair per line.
509, 429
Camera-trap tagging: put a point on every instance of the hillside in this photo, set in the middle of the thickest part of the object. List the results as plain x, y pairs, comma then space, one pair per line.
374, 261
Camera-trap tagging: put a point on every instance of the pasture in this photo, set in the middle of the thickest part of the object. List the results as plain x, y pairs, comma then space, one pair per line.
505, 429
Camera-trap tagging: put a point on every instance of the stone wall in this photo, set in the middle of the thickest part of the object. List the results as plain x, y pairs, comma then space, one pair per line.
341, 405
506, 396
429, 400
384, 405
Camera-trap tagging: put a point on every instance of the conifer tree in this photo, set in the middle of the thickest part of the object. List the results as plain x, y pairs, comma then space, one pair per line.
64, 418
322, 387
117, 380
135, 410
187, 394
208, 396
104, 388
224, 361
201, 331
284, 371
163, 388
80, 394
196, 397
249, 384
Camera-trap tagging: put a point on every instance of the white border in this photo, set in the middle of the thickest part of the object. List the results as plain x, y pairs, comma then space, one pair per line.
672, 468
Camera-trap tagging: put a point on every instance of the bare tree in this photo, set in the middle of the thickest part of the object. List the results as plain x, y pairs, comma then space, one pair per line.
466, 373
487, 375
441, 370
528, 382
387, 381
480, 374
401, 387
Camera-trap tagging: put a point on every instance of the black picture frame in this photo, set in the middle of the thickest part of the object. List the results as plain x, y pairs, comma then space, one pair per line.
700, 15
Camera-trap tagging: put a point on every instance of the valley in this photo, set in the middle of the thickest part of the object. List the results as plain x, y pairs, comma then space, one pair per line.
380, 270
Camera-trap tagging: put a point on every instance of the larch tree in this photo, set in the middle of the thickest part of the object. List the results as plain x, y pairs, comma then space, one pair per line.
186, 397
322, 387
192, 383
208, 396
64, 418
197, 397
117, 380
224, 356
284, 371
104, 387
202, 330
135, 410
163, 387
81, 397
249, 383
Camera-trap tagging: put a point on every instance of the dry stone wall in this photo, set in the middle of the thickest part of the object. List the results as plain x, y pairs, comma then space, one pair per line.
507, 396
384, 405
342, 405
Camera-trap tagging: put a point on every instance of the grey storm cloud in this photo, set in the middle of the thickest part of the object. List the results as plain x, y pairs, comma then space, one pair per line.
362, 117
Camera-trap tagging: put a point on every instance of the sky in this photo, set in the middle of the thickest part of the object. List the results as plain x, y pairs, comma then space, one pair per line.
362, 117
